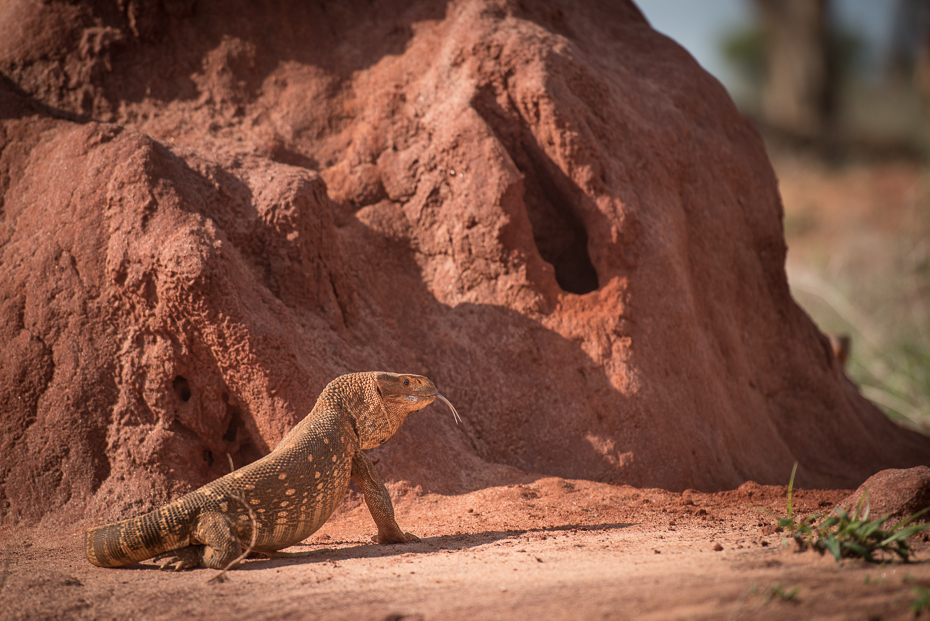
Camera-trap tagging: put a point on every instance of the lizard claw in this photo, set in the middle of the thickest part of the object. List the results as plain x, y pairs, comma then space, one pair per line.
173, 564
178, 560
401, 538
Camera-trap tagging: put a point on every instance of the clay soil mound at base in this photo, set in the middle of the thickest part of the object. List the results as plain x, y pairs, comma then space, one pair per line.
210, 210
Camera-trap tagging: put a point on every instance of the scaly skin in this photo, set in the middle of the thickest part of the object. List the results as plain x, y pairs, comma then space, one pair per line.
285, 496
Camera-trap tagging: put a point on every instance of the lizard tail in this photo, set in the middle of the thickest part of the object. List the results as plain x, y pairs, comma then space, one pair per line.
138, 538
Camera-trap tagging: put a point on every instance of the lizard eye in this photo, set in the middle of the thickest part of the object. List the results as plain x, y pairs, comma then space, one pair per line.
406, 382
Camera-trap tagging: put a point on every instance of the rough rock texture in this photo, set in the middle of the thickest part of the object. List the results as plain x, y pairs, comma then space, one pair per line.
211, 209
896, 493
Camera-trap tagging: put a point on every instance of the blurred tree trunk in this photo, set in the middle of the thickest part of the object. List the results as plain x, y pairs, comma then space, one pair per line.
799, 92
918, 11
922, 69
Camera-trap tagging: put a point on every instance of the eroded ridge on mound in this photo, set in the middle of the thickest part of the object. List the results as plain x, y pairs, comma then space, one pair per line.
209, 212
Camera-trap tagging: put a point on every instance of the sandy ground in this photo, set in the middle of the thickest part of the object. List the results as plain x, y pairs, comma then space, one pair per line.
543, 549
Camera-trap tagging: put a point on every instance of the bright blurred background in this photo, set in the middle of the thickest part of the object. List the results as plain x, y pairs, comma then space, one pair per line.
840, 90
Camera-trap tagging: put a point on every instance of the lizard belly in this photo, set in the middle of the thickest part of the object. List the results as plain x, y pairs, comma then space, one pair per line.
289, 494
294, 513
309, 517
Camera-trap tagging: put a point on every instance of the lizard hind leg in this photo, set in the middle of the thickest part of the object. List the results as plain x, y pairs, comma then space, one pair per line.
219, 547
221, 544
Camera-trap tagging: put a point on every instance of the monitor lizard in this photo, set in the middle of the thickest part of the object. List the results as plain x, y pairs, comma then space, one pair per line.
284, 497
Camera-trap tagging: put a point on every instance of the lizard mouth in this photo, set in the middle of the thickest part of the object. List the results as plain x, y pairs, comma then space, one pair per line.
455, 414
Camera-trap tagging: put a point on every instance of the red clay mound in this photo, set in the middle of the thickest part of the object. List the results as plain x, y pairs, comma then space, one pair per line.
210, 210
898, 494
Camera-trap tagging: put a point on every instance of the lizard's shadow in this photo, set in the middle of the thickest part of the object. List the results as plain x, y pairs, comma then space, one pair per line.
427, 545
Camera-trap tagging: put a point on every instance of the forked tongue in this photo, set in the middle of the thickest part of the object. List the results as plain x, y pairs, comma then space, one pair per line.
455, 414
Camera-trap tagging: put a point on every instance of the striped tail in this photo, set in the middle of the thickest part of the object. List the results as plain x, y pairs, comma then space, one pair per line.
139, 538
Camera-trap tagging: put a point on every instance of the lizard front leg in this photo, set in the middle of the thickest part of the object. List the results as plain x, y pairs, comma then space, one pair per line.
378, 501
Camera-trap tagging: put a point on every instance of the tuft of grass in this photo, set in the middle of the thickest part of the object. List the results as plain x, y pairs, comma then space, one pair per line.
850, 536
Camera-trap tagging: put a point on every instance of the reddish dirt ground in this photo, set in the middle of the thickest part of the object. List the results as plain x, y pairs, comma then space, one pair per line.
545, 548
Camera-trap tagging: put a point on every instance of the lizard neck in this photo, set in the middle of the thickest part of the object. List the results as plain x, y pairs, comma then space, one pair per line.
356, 396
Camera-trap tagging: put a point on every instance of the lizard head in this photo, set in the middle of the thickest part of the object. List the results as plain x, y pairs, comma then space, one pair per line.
395, 396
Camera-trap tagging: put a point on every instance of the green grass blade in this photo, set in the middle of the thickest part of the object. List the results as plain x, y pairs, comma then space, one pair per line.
862, 499
873, 528
868, 507
909, 519
858, 550
904, 533
831, 543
